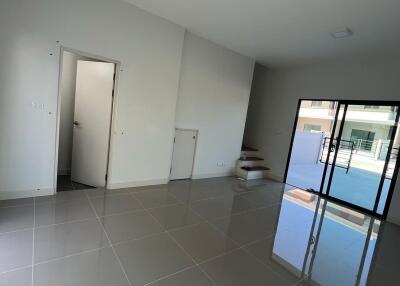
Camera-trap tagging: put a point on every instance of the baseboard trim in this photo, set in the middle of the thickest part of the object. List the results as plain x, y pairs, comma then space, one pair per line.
143, 183
10, 195
213, 175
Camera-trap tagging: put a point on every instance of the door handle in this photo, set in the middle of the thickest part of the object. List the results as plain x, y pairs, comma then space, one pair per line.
76, 123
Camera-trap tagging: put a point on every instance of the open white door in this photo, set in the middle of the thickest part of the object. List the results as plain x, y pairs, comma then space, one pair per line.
183, 154
92, 119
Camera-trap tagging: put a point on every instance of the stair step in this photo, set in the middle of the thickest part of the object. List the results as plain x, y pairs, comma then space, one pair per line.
256, 168
251, 159
246, 148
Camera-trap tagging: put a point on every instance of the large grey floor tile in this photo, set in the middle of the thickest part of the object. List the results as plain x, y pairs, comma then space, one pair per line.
16, 202
186, 196
239, 268
249, 227
101, 192
129, 226
77, 195
263, 184
202, 241
68, 238
22, 277
16, 218
95, 268
263, 197
16, 249
59, 212
191, 191
163, 187
263, 250
150, 255
175, 216
221, 207
151, 258
193, 277
115, 204
153, 199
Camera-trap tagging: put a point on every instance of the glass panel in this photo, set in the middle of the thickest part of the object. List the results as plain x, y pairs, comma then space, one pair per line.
345, 243
314, 125
383, 149
295, 221
325, 150
315, 239
361, 154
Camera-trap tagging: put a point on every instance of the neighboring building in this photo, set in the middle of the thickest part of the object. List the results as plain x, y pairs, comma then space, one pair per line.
365, 125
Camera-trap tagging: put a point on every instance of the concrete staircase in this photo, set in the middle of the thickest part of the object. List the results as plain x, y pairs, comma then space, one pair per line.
250, 166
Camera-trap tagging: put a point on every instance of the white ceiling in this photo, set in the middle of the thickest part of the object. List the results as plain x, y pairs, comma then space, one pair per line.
288, 32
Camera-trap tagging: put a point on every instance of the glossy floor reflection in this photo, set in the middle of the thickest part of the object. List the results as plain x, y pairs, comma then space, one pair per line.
207, 232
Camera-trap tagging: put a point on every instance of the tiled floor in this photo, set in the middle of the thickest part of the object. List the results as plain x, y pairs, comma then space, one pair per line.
208, 232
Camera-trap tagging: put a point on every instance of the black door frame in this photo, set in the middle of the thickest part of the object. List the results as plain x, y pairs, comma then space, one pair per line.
326, 195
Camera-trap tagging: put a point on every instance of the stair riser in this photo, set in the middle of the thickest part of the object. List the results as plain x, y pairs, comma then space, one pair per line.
240, 164
251, 175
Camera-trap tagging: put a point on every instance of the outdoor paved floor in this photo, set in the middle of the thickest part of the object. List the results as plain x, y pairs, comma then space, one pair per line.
357, 186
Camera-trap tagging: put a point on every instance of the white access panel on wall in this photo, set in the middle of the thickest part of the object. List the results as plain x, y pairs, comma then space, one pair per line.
92, 119
183, 154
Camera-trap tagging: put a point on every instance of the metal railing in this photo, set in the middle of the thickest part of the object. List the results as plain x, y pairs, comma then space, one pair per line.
365, 145
392, 162
344, 152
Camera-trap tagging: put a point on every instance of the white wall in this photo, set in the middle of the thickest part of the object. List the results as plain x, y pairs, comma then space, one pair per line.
149, 49
67, 93
213, 98
275, 95
306, 147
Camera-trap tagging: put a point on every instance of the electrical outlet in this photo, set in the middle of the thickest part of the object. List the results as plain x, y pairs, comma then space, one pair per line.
220, 164
37, 105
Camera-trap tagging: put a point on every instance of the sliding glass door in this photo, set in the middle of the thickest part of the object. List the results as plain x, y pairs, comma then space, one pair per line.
363, 135
346, 151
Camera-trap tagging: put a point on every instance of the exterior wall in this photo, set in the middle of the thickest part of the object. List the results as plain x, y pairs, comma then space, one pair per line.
306, 147
326, 124
381, 131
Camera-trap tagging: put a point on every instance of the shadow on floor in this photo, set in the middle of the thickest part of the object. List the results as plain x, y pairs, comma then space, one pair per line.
64, 183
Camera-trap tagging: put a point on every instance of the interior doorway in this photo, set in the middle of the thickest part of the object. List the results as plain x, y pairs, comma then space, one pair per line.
183, 154
85, 106
351, 157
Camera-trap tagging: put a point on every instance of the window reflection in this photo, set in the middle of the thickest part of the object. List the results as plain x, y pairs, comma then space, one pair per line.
315, 239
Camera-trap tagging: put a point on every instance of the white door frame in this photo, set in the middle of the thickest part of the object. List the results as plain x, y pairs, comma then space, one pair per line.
113, 110
194, 153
